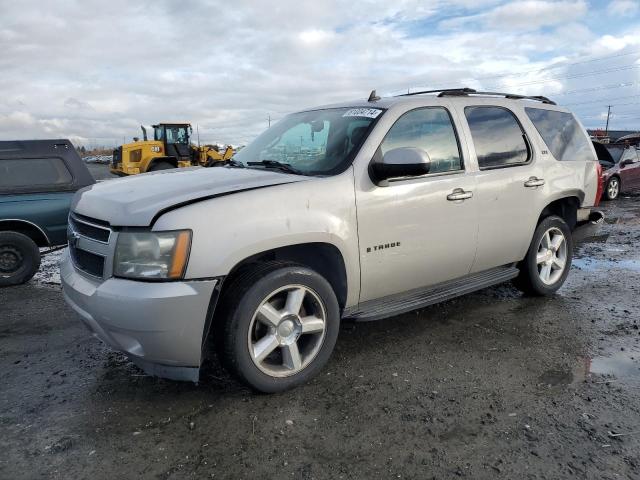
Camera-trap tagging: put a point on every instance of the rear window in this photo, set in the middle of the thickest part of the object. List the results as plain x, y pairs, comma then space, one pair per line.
562, 134
497, 137
33, 173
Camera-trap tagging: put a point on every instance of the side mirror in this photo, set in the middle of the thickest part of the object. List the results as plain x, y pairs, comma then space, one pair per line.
400, 162
626, 161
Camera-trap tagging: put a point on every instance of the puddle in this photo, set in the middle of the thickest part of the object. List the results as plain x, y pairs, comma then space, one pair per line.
591, 264
622, 365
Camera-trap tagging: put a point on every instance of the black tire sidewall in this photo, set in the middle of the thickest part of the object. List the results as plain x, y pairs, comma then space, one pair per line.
536, 283
238, 327
30, 258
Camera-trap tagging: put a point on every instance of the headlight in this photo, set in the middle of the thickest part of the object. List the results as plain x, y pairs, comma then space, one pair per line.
152, 255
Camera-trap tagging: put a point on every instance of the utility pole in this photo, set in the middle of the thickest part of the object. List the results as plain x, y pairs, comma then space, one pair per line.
606, 128
269, 120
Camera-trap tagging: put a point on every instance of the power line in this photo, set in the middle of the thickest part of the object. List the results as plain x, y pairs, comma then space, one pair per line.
569, 77
604, 100
572, 76
611, 86
560, 65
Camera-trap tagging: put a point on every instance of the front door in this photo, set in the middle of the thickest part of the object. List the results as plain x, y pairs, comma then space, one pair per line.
630, 173
418, 231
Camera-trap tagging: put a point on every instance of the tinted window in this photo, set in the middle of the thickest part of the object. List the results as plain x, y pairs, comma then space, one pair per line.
33, 172
431, 130
562, 133
497, 136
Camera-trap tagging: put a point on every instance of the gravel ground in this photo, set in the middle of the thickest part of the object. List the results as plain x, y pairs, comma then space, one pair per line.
491, 385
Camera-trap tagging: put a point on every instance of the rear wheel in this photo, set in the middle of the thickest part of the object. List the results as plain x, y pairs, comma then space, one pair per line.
612, 189
548, 260
161, 166
281, 323
19, 258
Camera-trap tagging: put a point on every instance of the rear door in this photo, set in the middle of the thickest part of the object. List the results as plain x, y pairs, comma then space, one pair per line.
510, 185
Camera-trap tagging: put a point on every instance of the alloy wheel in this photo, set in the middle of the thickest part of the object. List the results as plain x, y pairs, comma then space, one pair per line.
552, 256
287, 330
613, 188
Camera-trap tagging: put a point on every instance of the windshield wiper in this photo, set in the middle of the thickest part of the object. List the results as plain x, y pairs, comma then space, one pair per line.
285, 167
234, 164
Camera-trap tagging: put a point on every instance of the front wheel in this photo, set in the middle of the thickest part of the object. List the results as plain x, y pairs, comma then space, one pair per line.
281, 323
548, 260
612, 189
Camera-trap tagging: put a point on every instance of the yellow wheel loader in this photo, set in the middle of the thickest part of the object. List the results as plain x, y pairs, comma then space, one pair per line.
170, 148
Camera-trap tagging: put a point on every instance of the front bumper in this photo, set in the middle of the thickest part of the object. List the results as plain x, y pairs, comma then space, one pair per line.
158, 325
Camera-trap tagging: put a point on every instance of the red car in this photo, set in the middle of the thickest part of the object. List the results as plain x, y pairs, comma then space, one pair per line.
621, 169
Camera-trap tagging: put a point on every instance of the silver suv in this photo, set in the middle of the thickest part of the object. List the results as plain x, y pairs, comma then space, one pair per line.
361, 210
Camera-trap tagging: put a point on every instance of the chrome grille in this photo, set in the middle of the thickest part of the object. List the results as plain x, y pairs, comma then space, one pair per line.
89, 244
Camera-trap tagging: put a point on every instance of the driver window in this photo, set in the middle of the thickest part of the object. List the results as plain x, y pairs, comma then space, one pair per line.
630, 153
431, 130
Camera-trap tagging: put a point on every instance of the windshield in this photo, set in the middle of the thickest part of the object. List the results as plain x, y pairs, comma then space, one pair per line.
319, 142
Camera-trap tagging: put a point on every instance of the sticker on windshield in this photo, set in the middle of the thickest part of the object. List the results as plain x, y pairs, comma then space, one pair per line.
363, 112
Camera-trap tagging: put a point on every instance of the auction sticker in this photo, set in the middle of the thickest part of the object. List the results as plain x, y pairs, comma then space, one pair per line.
363, 112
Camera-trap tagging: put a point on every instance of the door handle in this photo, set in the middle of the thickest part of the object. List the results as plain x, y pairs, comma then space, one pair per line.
534, 182
459, 194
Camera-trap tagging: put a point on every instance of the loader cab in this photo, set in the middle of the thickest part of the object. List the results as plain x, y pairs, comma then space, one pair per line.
176, 139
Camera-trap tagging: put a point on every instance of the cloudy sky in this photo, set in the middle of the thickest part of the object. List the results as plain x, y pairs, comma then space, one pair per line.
93, 71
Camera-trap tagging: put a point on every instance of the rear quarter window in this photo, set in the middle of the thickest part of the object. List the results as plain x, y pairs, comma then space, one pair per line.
497, 137
563, 135
34, 173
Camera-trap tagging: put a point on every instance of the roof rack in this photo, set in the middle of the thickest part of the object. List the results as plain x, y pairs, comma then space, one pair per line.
460, 92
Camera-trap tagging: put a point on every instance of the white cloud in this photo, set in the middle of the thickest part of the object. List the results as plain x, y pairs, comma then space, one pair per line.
525, 15
98, 70
624, 7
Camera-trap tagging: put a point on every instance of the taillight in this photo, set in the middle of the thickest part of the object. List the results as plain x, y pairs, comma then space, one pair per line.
600, 184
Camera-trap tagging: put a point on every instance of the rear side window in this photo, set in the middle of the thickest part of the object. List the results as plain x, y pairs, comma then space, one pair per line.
431, 130
562, 134
33, 173
497, 136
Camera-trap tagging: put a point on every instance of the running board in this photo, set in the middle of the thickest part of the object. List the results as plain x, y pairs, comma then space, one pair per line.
423, 297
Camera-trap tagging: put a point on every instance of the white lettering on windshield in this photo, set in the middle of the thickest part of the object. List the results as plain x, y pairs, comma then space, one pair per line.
363, 112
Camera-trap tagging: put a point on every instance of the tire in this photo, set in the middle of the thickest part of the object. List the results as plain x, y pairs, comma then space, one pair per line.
19, 258
288, 355
161, 166
612, 189
545, 278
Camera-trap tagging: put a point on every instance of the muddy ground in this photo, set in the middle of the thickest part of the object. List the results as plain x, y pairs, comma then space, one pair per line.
491, 385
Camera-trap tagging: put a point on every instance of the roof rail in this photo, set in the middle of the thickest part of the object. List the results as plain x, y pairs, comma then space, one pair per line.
453, 92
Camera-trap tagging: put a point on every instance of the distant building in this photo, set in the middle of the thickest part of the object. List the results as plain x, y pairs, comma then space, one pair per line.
613, 136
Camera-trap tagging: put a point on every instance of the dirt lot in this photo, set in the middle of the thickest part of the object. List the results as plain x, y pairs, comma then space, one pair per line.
492, 385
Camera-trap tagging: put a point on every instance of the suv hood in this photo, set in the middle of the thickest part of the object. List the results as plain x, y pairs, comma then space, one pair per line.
138, 200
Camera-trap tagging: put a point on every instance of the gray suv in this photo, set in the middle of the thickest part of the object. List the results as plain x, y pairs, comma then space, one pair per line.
360, 210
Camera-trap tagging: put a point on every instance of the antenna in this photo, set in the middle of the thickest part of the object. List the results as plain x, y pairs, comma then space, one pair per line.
373, 97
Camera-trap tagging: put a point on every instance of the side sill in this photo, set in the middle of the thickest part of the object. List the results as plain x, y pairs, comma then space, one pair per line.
419, 298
